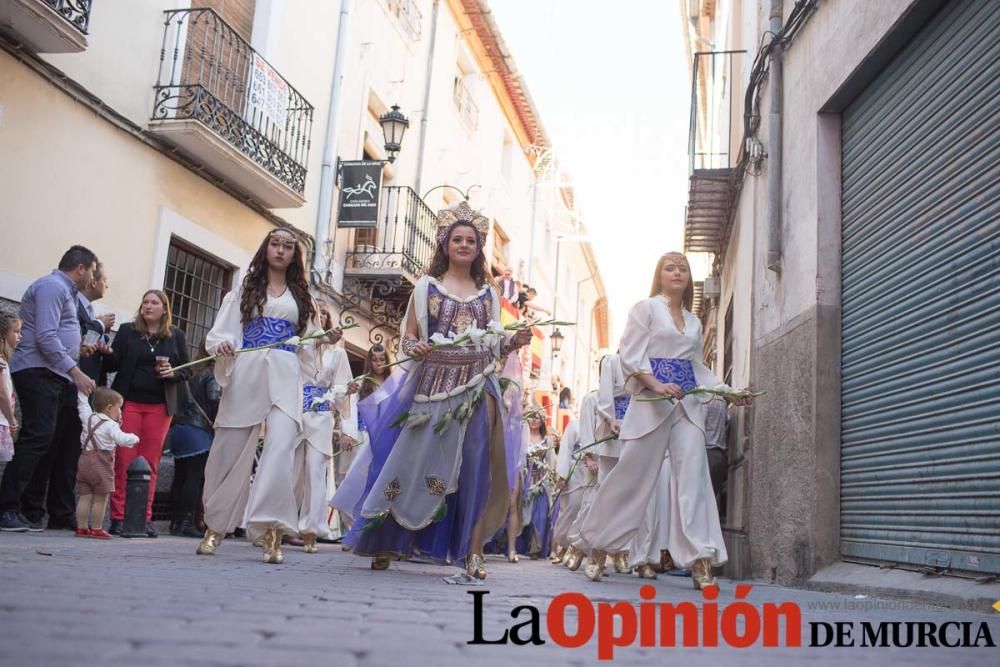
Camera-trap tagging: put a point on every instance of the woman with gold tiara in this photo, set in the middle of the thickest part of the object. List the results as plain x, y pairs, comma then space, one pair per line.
437, 483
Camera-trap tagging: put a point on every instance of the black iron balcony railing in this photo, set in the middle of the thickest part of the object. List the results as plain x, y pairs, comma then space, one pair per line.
209, 73
403, 239
77, 12
714, 96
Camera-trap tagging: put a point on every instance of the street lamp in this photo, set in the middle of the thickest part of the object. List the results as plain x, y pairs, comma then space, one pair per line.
557, 340
394, 125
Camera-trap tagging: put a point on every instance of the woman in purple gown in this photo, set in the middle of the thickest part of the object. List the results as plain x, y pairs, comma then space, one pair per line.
437, 484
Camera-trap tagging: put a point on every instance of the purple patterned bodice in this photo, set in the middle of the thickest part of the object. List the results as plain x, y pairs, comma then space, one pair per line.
447, 368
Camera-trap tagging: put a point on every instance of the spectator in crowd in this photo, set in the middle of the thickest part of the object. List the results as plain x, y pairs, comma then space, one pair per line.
10, 336
143, 355
527, 305
716, 426
100, 435
507, 286
191, 435
54, 481
45, 368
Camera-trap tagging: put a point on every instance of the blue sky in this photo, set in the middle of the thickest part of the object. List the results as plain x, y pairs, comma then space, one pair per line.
611, 82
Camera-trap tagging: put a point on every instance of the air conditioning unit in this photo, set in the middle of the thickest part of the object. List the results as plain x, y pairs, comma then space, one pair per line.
712, 288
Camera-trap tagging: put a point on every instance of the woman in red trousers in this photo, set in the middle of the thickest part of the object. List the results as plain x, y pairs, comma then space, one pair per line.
143, 355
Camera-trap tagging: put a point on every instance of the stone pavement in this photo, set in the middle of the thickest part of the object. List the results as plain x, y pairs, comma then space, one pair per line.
81, 602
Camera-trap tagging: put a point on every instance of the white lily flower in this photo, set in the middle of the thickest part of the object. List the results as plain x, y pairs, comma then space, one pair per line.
418, 419
335, 392
495, 327
294, 341
439, 338
476, 336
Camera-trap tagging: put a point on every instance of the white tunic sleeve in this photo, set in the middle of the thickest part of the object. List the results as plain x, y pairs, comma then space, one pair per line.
633, 349
565, 459
606, 390
228, 327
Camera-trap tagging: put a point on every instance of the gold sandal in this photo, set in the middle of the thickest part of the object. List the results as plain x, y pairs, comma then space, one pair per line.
475, 566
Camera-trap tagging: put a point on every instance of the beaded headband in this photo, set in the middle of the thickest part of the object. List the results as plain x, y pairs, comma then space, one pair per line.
461, 213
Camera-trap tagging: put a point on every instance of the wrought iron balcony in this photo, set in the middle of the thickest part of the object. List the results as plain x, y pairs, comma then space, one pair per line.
711, 151
401, 244
47, 26
386, 262
221, 103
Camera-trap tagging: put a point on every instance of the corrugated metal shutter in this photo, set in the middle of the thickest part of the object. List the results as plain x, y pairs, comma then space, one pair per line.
920, 459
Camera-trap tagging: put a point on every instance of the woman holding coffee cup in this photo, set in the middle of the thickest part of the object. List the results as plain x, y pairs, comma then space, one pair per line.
143, 355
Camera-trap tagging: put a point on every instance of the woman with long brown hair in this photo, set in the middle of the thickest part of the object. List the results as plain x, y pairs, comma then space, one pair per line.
437, 484
259, 388
661, 357
142, 356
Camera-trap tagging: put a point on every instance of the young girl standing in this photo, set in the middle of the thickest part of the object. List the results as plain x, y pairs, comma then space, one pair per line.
437, 484
10, 337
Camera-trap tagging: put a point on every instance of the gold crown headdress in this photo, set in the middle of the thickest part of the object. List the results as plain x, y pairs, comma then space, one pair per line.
462, 213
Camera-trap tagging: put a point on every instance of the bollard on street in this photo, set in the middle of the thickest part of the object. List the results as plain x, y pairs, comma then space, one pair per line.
136, 498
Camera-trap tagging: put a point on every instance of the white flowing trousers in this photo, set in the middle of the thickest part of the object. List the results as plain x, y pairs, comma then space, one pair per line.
618, 514
228, 495
312, 472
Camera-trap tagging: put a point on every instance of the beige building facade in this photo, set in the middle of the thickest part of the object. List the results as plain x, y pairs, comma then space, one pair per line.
170, 136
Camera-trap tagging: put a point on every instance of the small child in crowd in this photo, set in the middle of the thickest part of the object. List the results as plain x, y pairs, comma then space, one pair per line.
95, 477
10, 337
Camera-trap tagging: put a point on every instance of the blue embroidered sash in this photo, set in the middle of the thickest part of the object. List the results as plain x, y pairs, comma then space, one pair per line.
362, 426
310, 399
267, 330
621, 405
674, 371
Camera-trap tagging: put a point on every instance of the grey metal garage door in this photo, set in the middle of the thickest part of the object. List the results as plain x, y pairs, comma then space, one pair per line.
920, 461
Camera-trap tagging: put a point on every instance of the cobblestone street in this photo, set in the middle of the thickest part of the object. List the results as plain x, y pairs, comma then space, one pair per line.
68, 601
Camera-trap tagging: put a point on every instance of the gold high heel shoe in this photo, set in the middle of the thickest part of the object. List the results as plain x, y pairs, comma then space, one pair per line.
209, 543
381, 562
557, 555
272, 547
595, 565
475, 566
512, 557
666, 561
646, 571
701, 574
620, 562
573, 559
309, 543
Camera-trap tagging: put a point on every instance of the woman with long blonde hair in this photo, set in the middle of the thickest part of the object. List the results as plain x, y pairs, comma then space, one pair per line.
660, 353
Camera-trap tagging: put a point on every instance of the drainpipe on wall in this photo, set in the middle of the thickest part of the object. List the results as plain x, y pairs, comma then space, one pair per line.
328, 173
774, 204
428, 77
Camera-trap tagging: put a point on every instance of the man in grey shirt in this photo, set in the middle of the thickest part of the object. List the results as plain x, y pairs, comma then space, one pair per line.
44, 367
716, 426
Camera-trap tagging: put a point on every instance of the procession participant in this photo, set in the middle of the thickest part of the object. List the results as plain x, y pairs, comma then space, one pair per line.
651, 555
531, 502
574, 477
587, 432
437, 484
661, 357
355, 452
261, 387
314, 453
